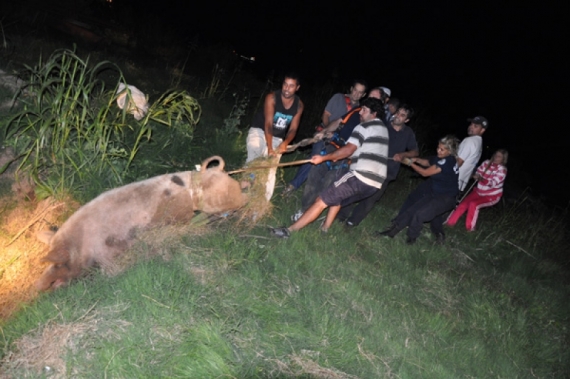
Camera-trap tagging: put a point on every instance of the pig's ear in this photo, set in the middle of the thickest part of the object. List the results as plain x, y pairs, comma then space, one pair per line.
45, 236
56, 256
220, 166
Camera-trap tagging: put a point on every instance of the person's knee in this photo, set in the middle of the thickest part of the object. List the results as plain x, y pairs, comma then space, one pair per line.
320, 203
334, 208
424, 215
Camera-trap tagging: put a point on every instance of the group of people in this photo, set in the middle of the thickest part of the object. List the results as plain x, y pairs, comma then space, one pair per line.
359, 147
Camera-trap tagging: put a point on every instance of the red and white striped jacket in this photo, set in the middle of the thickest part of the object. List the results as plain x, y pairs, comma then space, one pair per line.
492, 179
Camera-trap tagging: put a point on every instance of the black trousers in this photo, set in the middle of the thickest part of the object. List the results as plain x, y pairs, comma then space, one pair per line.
423, 206
355, 213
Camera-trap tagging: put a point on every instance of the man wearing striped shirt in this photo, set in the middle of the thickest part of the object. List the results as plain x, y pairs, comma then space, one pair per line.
367, 148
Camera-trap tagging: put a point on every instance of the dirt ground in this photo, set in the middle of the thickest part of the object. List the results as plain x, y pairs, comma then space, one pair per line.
20, 266
21, 218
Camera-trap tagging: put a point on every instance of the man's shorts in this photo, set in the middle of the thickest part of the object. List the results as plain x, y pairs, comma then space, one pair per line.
346, 190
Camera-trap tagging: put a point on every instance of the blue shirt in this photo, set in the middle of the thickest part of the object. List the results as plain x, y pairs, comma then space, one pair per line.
445, 182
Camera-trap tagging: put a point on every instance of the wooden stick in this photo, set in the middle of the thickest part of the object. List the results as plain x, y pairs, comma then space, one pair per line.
294, 163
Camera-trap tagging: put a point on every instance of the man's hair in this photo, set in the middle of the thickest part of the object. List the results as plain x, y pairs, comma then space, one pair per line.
375, 105
292, 75
451, 143
358, 81
395, 102
383, 95
409, 110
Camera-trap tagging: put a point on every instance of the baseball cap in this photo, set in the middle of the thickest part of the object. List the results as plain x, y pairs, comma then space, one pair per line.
386, 91
479, 120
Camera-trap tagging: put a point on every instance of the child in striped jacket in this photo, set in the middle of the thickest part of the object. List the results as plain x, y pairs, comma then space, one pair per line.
490, 176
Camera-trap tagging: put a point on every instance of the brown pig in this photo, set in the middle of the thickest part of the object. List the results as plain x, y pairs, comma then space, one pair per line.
108, 225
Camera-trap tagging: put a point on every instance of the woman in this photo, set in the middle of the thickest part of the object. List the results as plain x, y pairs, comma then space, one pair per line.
433, 197
490, 177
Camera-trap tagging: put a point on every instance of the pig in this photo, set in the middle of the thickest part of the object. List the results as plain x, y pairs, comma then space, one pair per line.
107, 226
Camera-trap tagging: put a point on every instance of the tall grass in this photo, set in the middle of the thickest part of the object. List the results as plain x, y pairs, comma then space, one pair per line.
70, 132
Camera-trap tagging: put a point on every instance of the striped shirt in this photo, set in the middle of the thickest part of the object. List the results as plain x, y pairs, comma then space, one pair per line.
370, 160
493, 178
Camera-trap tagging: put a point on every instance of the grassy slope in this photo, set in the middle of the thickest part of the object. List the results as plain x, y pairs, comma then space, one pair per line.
235, 303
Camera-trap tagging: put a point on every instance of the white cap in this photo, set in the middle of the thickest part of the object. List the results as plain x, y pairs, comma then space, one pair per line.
386, 91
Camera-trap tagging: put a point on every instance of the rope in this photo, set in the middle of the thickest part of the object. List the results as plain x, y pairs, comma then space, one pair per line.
294, 163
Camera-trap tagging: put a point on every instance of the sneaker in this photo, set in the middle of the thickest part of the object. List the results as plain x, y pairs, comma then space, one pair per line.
350, 224
281, 232
296, 216
288, 190
440, 238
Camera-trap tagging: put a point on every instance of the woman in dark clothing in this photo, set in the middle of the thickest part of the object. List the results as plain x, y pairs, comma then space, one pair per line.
433, 197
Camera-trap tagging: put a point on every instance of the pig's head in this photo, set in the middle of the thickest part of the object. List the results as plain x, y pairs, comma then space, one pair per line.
220, 193
61, 268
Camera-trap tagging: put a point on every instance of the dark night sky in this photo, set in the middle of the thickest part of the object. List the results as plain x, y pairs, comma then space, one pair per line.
505, 62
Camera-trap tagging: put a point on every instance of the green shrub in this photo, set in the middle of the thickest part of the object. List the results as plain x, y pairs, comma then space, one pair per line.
71, 134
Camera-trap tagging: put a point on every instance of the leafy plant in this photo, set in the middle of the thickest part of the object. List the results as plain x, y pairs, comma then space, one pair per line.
69, 131
222, 77
233, 121
213, 86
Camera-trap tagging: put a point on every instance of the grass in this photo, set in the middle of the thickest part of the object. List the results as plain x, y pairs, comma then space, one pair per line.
345, 306
68, 129
232, 302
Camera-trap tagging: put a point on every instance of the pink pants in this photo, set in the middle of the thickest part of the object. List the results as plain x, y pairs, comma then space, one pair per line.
472, 204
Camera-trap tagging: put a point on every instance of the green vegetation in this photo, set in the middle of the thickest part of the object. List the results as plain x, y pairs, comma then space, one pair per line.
348, 305
70, 132
232, 303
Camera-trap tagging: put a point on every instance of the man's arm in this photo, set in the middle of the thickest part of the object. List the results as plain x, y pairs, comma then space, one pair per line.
336, 101
269, 112
459, 161
412, 150
333, 125
327, 132
292, 129
344, 152
325, 118
406, 154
